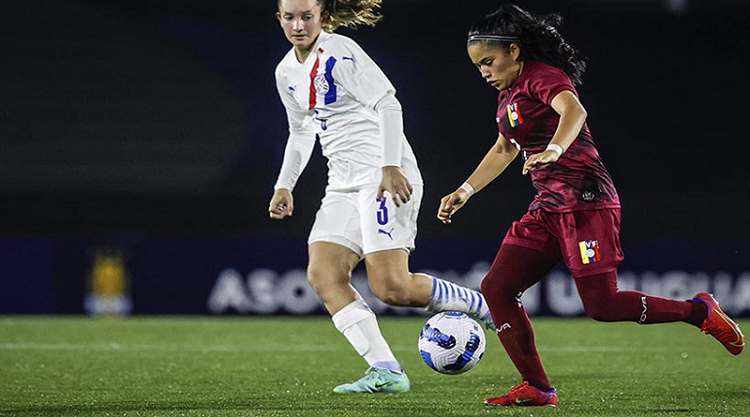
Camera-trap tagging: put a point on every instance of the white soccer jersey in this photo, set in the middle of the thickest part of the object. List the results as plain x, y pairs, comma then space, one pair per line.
332, 95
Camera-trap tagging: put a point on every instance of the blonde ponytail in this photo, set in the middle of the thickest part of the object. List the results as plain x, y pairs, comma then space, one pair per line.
349, 13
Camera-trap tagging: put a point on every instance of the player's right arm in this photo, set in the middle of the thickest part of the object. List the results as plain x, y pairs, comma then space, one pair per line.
493, 164
297, 153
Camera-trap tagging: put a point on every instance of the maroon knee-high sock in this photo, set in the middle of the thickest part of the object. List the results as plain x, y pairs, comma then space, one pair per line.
515, 269
517, 336
602, 301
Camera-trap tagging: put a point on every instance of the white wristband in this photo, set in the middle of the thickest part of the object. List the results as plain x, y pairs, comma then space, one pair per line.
468, 188
556, 148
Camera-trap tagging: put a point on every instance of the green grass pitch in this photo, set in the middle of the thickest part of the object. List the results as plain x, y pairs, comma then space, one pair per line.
268, 366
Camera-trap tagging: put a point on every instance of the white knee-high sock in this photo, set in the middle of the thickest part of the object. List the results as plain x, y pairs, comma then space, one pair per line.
447, 296
360, 327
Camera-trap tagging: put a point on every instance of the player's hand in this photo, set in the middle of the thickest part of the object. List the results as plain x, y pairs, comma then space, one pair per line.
281, 205
450, 204
539, 161
396, 184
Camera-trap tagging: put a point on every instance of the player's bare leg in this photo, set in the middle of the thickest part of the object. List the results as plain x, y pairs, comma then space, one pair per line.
390, 281
329, 273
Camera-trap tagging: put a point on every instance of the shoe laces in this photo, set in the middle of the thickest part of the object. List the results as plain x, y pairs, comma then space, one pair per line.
372, 374
519, 390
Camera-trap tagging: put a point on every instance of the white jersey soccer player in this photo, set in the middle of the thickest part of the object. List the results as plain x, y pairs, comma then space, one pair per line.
338, 95
340, 89
335, 93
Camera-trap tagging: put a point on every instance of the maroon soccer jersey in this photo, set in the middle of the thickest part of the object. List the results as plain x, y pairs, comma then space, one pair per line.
578, 180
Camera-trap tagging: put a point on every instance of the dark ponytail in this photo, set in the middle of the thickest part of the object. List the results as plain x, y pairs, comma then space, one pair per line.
538, 38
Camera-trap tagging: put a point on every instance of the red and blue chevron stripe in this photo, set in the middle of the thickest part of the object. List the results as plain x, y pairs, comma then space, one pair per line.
330, 95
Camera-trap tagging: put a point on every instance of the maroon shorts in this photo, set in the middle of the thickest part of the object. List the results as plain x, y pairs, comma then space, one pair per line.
589, 241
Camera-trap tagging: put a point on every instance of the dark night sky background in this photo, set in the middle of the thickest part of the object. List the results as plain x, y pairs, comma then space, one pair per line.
161, 117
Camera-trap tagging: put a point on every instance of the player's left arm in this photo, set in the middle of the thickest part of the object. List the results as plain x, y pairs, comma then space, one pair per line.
392, 138
572, 117
363, 79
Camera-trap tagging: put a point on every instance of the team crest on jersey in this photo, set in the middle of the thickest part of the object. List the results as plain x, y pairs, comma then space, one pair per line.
589, 251
321, 84
514, 115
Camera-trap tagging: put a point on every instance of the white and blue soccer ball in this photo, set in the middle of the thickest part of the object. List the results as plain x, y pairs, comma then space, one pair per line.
451, 342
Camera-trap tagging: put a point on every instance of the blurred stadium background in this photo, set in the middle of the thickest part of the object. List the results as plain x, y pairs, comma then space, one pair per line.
139, 142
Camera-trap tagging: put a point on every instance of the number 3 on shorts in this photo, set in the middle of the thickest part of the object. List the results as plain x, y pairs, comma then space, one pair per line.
382, 212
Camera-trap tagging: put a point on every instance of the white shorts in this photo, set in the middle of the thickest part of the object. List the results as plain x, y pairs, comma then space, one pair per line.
364, 224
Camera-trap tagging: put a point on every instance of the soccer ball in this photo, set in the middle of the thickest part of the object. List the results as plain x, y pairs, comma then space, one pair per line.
451, 342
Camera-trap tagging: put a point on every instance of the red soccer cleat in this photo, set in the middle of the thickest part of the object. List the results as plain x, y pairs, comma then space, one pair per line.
525, 395
720, 326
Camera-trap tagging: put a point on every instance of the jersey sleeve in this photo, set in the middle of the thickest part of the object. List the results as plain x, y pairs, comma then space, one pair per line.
360, 76
391, 130
301, 139
548, 82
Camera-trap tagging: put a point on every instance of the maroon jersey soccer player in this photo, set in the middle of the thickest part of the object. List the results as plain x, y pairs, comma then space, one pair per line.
575, 216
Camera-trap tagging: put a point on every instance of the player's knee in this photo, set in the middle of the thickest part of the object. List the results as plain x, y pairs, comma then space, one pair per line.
494, 287
323, 278
600, 305
599, 312
487, 285
315, 277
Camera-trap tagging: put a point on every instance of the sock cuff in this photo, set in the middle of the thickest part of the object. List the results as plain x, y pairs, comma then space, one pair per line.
392, 366
434, 285
435, 298
351, 314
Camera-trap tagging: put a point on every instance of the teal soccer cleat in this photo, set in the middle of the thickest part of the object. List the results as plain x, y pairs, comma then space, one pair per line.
376, 380
487, 320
